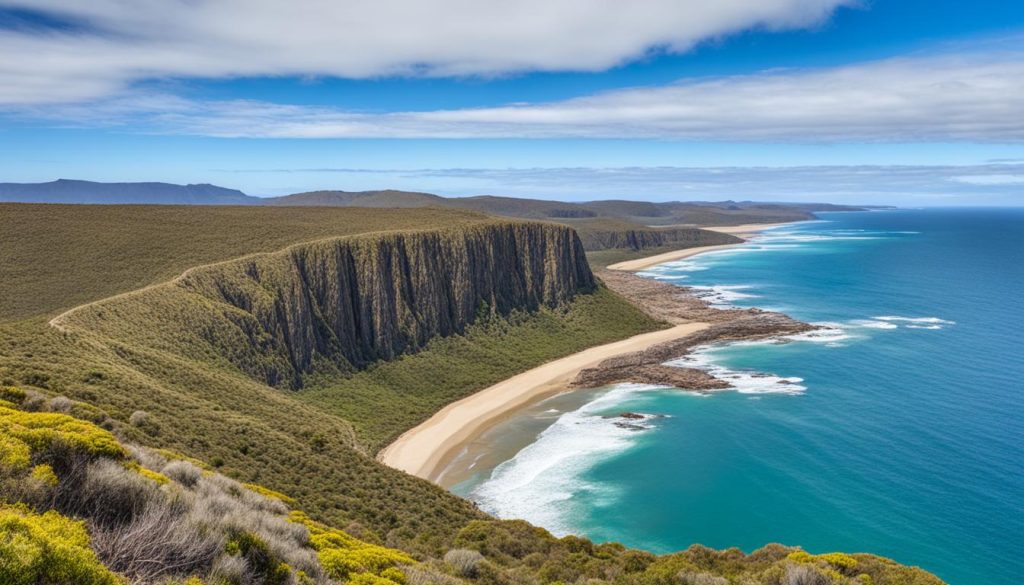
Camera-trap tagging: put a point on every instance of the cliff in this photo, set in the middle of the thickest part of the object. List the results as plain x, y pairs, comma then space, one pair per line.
609, 234
340, 304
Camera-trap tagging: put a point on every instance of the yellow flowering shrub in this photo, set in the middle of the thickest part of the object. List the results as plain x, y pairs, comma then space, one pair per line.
45, 474
345, 557
47, 548
42, 430
269, 493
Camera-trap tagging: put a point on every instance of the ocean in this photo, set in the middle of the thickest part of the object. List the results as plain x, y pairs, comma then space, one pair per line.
898, 429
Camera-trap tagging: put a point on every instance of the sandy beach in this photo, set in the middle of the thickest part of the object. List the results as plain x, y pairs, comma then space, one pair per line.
741, 231
746, 229
647, 261
425, 449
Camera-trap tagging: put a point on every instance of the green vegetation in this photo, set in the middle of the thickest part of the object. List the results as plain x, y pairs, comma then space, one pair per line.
109, 508
47, 548
54, 257
184, 367
390, 397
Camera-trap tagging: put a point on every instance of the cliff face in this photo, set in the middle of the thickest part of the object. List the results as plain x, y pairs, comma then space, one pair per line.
642, 239
341, 304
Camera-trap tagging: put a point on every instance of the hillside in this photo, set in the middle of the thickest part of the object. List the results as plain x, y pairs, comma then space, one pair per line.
289, 368
386, 198
190, 350
640, 213
106, 250
72, 191
611, 230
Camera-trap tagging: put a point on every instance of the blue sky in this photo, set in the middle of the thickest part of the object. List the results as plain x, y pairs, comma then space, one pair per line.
884, 101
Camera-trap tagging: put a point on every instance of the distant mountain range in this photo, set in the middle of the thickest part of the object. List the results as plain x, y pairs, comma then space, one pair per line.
640, 212
72, 191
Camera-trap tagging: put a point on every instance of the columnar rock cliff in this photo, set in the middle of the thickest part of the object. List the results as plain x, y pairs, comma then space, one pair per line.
630, 238
343, 303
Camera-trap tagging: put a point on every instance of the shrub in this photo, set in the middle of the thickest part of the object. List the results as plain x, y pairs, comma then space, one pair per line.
138, 418
694, 578
230, 568
12, 394
47, 548
60, 404
110, 494
425, 575
343, 556
464, 561
160, 541
44, 474
800, 574
183, 472
49, 435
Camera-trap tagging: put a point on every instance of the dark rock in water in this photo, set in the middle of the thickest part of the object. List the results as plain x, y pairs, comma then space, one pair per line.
633, 415
677, 304
630, 427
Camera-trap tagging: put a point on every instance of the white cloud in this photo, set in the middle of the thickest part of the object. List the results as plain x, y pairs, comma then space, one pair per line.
970, 96
990, 179
114, 43
874, 184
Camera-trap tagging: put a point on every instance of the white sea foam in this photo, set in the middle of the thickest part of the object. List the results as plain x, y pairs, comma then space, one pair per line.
873, 324
540, 482
742, 381
828, 332
915, 320
932, 323
722, 296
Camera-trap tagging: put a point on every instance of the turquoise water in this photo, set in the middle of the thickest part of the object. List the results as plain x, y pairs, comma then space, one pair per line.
897, 430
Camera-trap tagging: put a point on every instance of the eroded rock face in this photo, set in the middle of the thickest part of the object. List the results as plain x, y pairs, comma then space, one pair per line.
351, 301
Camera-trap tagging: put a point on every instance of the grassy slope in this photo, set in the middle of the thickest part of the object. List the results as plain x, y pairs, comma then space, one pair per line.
301, 444
201, 406
394, 396
53, 257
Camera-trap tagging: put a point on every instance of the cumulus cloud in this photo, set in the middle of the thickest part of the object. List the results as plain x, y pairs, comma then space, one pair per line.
102, 46
968, 96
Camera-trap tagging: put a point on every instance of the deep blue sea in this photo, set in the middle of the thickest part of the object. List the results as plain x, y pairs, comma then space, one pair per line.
897, 430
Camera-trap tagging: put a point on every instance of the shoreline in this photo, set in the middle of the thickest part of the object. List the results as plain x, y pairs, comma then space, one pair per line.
426, 449
740, 231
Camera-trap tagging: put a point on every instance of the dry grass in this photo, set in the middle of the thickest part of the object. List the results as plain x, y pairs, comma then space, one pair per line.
53, 257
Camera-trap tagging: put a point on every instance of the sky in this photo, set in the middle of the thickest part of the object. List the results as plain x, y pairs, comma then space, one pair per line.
904, 102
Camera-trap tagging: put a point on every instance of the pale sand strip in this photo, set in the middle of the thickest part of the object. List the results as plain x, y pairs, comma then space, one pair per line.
736, 230
648, 261
425, 449
750, 228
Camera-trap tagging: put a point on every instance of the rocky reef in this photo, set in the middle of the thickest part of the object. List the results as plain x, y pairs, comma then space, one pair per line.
677, 304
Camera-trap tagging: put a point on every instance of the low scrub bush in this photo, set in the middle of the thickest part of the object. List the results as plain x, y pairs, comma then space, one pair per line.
464, 561
47, 548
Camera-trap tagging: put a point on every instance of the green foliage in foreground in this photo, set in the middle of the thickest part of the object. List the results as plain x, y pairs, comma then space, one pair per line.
47, 548
129, 514
155, 520
391, 397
